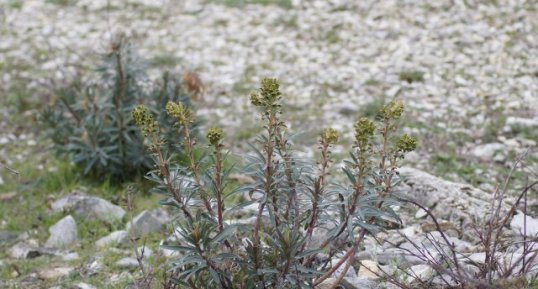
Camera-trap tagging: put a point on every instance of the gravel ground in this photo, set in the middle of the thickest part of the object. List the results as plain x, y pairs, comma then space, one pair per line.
467, 71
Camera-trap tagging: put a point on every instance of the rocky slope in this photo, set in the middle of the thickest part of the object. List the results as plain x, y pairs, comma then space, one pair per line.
468, 73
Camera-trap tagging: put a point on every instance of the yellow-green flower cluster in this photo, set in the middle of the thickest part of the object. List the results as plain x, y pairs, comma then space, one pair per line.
255, 99
214, 136
178, 111
143, 119
329, 136
406, 143
393, 110
364, 132
269, 93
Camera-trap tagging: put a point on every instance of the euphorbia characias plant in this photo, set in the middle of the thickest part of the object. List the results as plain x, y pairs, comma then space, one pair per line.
302, 222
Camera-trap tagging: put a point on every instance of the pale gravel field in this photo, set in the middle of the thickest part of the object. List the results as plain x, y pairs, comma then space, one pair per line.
480, 62
474, 111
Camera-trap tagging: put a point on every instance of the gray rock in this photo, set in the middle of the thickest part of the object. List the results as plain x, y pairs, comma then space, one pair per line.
420, 272
420, 214
459, 245
519, 121
454, 202
82, 285
369, 269
362, 283
70, 256
515, 260
169, 253
349, 274
55, 273
347, 108
121, 277
25, 250
127, 263
518, 225
443, 279
144, 251
407, 255
93, 267
477, 258
349, 283
63, 233
115, 238
148, 222
30, 281
4, 197
6, 236
88, 207
487, 152
24, 236
413, 157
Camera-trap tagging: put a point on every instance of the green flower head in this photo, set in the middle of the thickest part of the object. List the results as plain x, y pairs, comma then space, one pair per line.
393, 110
178, 111
214, 136
329, 136
269, 93
406, 143
255, 99
364, 131
143, 118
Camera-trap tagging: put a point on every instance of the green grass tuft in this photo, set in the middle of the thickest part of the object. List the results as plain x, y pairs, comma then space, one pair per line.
411, 76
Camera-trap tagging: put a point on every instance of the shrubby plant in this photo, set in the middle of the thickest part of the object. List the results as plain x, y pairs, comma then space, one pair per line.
305, 230
92, 123
500, 267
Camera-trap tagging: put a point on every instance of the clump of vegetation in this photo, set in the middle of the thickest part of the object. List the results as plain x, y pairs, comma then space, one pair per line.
301, 223
372, 109
92, 123
497, 269
411, 76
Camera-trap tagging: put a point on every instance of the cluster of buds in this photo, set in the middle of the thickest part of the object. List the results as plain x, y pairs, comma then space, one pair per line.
329, 136
178, 111
406, 144
144, 119
393, 110
364, 132
214, 136
269, 94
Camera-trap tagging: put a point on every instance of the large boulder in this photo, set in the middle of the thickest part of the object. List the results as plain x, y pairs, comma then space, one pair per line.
450, 201
88, 207
63, 233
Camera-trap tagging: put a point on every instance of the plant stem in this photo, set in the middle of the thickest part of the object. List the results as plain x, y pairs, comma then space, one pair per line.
218, 185
292, 200
318, 191
189, 147
164, 170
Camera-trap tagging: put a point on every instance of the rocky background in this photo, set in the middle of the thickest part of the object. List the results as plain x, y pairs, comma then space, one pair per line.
466, 70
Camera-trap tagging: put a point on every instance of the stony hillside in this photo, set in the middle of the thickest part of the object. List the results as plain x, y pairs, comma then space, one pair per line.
466, 70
